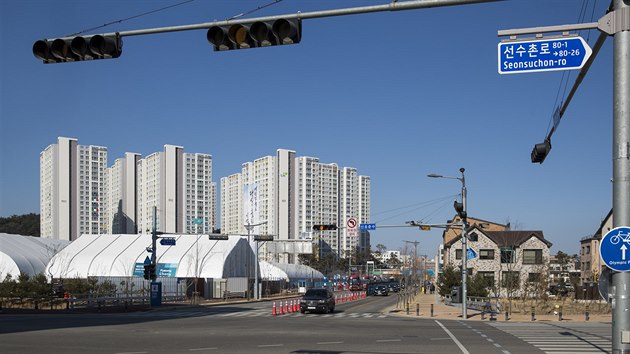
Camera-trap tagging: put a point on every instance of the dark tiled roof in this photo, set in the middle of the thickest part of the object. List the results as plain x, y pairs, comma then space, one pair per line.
507, 238
514, 238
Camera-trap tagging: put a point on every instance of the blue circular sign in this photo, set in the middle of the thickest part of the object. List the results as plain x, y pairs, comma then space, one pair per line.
615, 249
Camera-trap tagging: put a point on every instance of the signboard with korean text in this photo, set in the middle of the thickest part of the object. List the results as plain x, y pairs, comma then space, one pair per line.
563, 53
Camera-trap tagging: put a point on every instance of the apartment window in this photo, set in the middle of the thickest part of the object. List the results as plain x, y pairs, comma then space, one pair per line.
486, 254
507, 255
532, 257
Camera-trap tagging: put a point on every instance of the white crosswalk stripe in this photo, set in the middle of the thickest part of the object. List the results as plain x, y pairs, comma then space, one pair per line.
248, 313
561, 338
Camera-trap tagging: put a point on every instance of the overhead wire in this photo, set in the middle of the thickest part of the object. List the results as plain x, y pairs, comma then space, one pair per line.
129, 18
443, 200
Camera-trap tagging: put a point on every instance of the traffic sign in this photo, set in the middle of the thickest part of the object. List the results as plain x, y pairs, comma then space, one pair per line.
563, 53
351, 223
615, 249
367, 226
167, 241
147, 260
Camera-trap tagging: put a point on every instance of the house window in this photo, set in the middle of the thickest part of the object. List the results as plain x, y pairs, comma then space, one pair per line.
507, 255
458, 254
486, 254
488, 278
532, 257
509, 280
473, 237
534, 277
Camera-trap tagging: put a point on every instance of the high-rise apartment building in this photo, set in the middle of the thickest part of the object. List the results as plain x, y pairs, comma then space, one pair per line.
179, 185
291, 194
122, 195
80, 195
73, 185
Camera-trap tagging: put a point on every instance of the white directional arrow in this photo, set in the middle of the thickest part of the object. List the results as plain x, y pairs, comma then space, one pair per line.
623, 252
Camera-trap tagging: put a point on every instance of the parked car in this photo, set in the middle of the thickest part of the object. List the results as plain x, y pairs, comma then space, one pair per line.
381, 290
320, 300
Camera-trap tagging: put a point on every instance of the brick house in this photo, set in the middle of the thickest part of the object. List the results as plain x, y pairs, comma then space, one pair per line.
590, 263
508, 260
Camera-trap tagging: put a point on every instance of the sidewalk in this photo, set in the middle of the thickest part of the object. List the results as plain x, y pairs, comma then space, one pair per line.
423, 303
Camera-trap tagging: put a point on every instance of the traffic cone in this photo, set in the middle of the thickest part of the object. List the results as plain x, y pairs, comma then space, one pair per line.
291, 307
273, 310
280, 311
286, 306
297, 306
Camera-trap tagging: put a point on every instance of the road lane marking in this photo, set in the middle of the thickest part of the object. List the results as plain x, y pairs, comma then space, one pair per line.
461, 347
387, 340
270, 345
199, 349
324, 343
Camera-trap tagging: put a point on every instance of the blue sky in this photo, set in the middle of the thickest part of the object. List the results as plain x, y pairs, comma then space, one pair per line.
396, 95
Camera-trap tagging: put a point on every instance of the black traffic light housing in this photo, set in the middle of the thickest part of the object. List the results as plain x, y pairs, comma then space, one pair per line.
325, 227
147, 271
152, 273
459, 208
256, 34
79, 48
540, 151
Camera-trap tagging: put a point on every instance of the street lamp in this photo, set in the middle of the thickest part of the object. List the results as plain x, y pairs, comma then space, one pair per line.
462, 212
249, 228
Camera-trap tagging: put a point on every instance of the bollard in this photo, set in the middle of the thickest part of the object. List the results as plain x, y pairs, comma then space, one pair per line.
483, 315
407, 306
417, 309
431, 310
586, 314
533, 313
36, 306
507, 316
560, 314
125, 305
67, 304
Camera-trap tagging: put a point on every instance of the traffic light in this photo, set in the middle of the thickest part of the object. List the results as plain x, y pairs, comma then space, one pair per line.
324, 227
152, 274
540, 151
147, 271
256, 34
459, 208
79, 48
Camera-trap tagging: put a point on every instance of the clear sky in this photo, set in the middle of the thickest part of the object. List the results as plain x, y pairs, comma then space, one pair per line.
397, 95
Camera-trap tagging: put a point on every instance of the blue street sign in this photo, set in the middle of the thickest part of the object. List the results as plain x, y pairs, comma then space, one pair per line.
543, 55
167, 241
147, 260
471, 254
615, 249
367, 226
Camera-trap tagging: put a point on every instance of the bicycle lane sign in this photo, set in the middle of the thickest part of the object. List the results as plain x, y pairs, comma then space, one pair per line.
614, 249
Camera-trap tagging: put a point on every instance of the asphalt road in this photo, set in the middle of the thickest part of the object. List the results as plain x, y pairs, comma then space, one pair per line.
355, 327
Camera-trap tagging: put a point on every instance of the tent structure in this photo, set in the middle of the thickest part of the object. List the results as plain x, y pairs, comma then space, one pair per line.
26, 254
192, 256
289, 272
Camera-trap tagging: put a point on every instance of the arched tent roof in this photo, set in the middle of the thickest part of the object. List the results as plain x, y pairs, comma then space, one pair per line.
193, 256
269, 271
26, 254
298, 271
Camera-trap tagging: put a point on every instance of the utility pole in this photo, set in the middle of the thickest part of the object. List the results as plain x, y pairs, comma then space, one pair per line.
415, 258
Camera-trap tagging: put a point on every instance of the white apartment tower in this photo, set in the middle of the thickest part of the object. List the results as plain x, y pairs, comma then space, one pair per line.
179, 185
354, 197
122, 195
317, 199
73, 190
231, 217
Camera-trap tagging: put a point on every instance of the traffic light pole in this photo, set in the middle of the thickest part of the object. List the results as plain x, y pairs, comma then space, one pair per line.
621, 170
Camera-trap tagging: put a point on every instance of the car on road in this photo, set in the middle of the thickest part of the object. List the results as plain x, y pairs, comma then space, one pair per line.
318, 300
381, 290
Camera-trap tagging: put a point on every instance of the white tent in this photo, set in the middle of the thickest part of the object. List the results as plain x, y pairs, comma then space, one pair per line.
292, 272
26, 254
193, 256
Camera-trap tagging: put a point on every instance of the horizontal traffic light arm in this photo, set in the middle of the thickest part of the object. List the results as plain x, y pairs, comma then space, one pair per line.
45, 45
